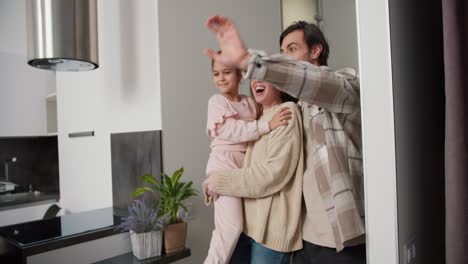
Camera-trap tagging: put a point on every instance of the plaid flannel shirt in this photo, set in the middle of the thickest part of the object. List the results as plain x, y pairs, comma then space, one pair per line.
332, 120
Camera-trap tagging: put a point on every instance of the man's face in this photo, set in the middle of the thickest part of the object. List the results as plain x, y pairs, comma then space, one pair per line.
295, 46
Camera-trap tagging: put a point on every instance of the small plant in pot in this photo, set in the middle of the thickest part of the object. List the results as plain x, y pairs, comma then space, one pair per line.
145, 226
172, 194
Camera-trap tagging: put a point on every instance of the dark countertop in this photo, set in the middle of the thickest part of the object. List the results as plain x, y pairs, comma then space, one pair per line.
128, 258
31, 238
18, 200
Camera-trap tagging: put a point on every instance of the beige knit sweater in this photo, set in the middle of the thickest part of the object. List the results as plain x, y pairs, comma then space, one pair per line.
271, 184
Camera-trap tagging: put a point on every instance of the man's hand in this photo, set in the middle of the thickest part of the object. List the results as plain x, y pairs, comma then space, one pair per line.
233, 52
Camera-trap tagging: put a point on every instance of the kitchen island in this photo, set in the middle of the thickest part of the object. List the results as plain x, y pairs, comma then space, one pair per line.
20, 243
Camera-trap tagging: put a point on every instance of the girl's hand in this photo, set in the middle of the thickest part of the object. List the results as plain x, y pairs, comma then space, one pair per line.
233, 51
280, 118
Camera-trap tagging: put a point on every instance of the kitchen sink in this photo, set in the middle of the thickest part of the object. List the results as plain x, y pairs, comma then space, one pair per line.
19, 196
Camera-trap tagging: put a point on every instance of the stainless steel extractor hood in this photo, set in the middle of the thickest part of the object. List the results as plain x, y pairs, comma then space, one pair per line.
62, 34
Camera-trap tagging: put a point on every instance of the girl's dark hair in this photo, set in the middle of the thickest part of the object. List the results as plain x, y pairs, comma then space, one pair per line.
238, 71
312, 36
212, 60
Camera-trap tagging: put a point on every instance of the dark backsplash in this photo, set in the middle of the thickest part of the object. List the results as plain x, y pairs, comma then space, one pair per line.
133, 155
37, 163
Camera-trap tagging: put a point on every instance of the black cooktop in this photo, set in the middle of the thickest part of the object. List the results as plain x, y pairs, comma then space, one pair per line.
67, 226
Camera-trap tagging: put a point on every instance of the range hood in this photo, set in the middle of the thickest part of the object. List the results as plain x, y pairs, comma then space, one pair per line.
62, 34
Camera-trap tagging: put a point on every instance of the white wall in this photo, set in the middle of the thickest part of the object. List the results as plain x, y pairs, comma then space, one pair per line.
295, 10
340, 29
13, 26
22, 88
186, 86
378, 131
338, 25
122, 95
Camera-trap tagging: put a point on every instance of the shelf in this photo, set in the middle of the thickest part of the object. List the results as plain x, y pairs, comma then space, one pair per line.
51, 114
52, 97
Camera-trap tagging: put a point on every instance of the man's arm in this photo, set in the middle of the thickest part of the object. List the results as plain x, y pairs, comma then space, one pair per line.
336, 92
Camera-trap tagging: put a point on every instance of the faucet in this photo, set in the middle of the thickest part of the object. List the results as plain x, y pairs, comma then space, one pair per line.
10, 160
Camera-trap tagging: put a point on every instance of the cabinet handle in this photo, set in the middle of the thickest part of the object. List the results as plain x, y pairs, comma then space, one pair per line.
81, 134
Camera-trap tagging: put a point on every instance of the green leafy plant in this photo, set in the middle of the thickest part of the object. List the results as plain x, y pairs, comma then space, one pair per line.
172, 193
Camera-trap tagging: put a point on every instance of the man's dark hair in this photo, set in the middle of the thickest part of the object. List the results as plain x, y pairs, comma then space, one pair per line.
312, 35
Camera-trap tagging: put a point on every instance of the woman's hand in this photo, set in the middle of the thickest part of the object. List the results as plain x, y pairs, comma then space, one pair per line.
209, 186
280, 118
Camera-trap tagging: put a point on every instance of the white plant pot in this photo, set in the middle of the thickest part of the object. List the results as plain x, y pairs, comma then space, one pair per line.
146, 245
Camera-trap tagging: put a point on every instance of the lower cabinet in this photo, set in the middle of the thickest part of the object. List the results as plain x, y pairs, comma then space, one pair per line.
88, 252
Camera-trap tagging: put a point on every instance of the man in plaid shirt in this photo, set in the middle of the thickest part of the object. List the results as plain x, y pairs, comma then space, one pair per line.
333, 226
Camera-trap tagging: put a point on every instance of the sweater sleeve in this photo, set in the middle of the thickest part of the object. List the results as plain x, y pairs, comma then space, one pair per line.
337, 92
222, 123
276, 169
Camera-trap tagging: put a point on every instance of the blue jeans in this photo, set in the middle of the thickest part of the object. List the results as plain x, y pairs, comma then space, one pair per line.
248, 251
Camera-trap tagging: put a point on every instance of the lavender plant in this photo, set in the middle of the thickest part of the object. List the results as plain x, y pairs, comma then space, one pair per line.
142, 219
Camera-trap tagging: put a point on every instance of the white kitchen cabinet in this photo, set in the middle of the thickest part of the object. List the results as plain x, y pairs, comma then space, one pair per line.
77, 102
23, 90
122, 95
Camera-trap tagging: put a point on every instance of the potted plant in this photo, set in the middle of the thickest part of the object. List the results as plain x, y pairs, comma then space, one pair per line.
145, 226
172, 194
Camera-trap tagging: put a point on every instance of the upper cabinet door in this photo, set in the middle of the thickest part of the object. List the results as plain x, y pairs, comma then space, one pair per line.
77, 97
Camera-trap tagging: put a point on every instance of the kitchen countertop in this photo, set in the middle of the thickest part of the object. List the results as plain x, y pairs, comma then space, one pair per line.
18, 200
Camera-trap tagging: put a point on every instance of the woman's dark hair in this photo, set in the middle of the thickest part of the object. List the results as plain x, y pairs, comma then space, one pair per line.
287, 98
283, 96
312, 36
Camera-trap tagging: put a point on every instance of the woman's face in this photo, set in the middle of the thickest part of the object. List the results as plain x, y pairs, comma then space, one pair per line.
225, 79
265, 94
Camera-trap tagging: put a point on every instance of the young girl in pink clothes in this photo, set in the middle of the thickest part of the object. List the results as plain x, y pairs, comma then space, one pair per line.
231, 125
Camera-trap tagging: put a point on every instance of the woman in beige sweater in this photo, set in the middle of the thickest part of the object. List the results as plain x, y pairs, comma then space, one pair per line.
270, 183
